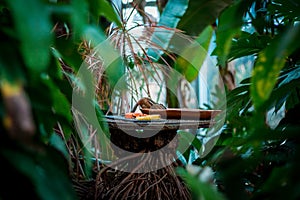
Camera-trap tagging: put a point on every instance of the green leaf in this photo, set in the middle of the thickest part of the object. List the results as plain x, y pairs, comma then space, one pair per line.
293, 98
43, 168
200, 14
50, 105
68, 52
269, 64
170, 18
287, 10
82, 28
60, 104
286, 89
291, 75
172, 13
187, 139
199, 189
229, 25
247, 44
57, 142
79, 17
191, 59
187, 143
103, 134
94, 35
33, 31
104, 8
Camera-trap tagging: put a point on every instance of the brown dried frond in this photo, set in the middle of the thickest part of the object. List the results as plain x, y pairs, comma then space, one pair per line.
95, 64
134, 44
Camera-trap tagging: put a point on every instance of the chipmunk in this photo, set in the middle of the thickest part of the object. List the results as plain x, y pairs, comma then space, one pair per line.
146, 102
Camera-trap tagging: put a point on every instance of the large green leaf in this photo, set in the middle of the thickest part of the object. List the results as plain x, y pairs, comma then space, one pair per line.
81, 26
103, 8
50, 100
269, 64
201, 13
247, 44
172, 13
60, 104
33, 29
170, 18
229, 25
79, 17
191, 59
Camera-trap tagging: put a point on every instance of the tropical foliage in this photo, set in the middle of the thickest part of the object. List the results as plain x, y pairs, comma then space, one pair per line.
44, 43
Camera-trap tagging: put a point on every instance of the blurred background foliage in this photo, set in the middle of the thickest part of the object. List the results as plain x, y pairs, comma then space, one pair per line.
43, 44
